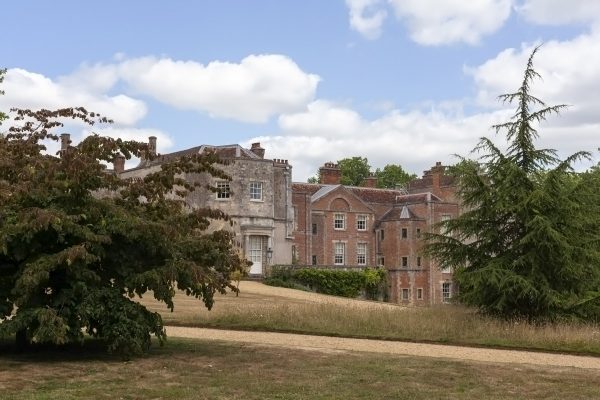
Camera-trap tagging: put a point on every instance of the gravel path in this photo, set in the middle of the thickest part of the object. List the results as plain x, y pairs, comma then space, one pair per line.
329, 344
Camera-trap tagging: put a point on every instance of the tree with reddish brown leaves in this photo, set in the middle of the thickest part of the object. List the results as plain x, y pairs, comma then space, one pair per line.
78, 243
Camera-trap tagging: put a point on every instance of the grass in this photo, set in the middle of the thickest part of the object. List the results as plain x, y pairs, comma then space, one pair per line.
444, 324
192, 369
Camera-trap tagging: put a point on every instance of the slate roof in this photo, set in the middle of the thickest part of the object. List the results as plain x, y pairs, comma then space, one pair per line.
417, 198
310, 188
366, 194
225, 152
374, 195
400, 212
323, 191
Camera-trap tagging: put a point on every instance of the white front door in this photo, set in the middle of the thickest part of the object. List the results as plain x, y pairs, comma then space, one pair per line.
255, 254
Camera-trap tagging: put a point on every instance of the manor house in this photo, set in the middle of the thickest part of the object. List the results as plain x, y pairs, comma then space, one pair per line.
325, 224
354, 227
258, 198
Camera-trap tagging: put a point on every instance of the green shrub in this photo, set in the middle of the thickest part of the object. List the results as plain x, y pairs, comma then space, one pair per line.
282, 283
283, 272
372, 282
375, 283
334, 282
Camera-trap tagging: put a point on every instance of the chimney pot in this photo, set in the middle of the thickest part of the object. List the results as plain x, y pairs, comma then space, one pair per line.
330, 174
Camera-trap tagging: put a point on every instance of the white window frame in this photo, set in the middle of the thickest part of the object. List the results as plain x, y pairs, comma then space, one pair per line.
223, 190
402, 259
339, 221
446, 291
419, 293
361, 253
339, 253
361, 219
256, 189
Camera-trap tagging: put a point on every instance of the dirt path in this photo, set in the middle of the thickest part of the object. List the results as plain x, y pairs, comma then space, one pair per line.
323, 343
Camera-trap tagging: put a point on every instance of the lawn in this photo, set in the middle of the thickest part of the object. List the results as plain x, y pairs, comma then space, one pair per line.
259, 307
187, 369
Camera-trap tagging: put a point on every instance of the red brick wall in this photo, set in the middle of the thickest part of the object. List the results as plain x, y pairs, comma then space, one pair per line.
423, 215
412, 281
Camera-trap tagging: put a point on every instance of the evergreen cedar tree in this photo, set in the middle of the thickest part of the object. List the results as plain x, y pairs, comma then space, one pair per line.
77, 244
527, 245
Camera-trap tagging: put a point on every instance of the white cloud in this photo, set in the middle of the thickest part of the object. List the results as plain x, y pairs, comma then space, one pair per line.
24, 89
433, 22
253, 90
413, 139
560, 12
366, 17
96, 78
570, 69
570, 75
323, 118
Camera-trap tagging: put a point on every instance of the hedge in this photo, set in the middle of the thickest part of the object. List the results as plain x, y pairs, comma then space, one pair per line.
372, 282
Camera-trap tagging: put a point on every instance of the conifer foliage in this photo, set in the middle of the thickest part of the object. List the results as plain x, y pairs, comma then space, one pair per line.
527, 244
77, 243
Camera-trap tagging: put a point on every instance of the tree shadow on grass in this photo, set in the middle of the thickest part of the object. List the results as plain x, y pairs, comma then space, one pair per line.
92, 349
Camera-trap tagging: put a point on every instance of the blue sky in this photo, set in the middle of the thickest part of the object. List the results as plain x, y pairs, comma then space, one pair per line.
397, 81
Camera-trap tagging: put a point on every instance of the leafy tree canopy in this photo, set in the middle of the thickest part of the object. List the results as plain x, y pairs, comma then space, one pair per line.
77, 243
528, 244
354, 170
393, 175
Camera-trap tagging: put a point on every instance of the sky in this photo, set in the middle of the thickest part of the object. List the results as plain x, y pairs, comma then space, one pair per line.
408, 82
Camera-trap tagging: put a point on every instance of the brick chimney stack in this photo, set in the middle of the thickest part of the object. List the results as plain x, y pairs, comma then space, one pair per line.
256, 149
330, 174
65, 141
436, 173
119, 163
370, 181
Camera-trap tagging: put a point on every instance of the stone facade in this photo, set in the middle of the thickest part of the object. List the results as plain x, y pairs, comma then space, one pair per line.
258, 199
346, 226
